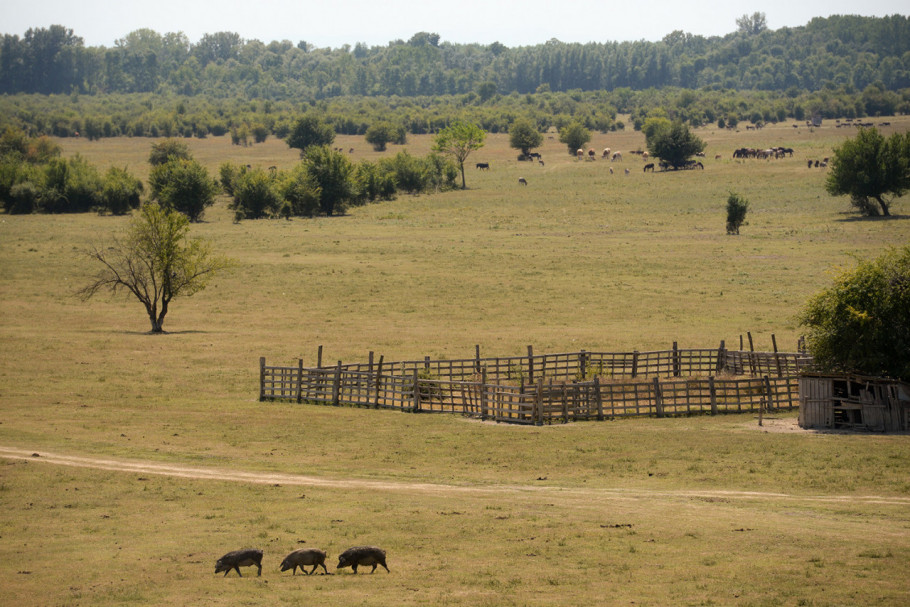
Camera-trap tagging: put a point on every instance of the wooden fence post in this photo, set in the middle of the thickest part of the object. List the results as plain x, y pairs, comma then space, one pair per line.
659, 406
261, 378
780, 372
538, 402
769, 394
378, 380
336, 386
565, 403
299, 380
477, 358
712, 389
416, 405
598, 399
721, 357
635, 364
319, 358
530, 363
751, 354
583, 364
483, 393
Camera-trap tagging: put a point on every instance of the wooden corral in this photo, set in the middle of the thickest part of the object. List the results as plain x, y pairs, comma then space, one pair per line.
853, 402
538, 389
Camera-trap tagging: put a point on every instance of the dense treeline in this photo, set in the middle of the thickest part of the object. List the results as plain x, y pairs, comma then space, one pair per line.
153, 85
249, 121
838, 51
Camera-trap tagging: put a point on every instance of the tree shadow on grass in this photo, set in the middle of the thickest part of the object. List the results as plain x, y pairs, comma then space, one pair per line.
187, 332
848, 217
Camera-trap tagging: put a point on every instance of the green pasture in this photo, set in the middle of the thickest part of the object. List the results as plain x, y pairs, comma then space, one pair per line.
690, 511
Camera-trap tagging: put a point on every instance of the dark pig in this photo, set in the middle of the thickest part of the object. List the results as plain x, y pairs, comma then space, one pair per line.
239, 558
362, 555
301, 558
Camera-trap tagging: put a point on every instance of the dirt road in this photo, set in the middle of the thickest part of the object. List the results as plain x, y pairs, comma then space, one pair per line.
275, 478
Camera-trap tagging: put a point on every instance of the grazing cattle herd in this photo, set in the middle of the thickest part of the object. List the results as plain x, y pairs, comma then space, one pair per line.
766, 153
739, 154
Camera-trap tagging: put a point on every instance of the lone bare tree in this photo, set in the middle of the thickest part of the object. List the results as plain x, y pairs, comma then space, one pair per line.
155, 262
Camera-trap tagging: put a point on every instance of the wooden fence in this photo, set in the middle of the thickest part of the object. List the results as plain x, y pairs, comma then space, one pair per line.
538, 389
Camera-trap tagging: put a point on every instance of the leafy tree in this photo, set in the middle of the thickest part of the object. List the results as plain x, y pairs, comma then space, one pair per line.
861, 323
310, 131
120, 192
524, 136
380, 134
486, 90
736, 212
331, 172
24, 198
256, 195
458, 141
14, 142
168, 149
183, 185
752, 24
575, 136
675, 144
871, 167
155, 263
301, 192
71, 185
373, 181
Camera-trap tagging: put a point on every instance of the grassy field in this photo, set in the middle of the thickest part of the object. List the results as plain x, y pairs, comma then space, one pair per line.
693, 511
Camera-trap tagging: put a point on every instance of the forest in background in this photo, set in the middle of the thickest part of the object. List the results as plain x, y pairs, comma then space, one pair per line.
151, 84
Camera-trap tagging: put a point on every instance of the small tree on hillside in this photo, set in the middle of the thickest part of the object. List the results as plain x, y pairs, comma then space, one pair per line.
330, 172
382, 133
675, 144
458, 140
524, 136
168, 149
310, 131
575, 136
871, 168
155, 263
861, 323
121, 192
736, 212
183, 185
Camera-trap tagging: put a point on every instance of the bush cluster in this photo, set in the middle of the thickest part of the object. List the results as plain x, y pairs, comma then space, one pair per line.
34, 178
326, 182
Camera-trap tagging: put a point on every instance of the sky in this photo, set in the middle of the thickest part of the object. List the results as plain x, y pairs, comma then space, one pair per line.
334, 23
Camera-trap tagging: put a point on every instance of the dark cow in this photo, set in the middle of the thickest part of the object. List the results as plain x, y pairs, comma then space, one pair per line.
362, 555
649, 167
483, 166
522, 181
239, 558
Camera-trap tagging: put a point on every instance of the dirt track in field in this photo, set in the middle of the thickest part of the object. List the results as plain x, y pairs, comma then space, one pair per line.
275, 478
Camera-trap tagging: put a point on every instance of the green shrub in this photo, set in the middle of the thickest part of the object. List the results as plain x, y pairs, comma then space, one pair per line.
256, 195
120, 193
736, 212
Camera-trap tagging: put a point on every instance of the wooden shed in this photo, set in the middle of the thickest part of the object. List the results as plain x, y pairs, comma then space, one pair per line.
853, 402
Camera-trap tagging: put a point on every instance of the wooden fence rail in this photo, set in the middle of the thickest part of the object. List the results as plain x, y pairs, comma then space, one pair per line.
538, 389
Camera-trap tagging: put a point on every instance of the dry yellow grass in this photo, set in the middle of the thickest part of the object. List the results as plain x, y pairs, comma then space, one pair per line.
675, 511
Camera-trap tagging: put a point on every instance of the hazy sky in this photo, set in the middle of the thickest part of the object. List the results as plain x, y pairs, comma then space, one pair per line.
333, 23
